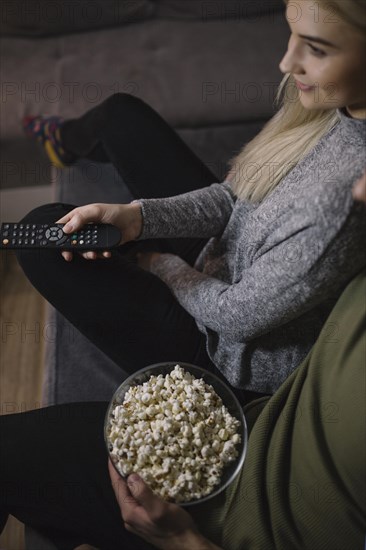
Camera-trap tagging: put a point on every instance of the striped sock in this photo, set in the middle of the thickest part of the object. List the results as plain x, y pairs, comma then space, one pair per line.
47, 131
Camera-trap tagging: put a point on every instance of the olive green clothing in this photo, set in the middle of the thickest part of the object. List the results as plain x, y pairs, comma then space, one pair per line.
303, 483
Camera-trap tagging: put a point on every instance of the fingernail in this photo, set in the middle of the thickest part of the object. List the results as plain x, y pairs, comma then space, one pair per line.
68, 227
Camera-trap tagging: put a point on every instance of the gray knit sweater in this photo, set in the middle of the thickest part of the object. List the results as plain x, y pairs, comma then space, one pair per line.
265, 283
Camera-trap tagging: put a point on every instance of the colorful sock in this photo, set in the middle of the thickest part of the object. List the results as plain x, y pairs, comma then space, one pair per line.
47, 131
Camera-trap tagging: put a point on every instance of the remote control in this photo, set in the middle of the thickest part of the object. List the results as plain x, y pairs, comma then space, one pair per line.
50, 235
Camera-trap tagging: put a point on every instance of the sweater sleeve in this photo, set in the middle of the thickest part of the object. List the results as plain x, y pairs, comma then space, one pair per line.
303, 262
200, 213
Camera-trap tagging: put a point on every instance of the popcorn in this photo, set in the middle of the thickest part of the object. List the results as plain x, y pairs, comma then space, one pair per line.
176, 433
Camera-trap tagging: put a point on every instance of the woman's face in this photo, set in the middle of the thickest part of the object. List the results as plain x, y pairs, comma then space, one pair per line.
327, 57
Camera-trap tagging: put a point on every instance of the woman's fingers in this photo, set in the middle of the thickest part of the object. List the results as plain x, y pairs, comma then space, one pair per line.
93, 255
67, 255
80, 216
65, 218
90, 255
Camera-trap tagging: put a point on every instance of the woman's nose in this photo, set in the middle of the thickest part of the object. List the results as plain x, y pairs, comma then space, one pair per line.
291, 62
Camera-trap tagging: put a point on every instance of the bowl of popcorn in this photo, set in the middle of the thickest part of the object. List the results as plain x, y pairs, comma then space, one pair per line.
181, 428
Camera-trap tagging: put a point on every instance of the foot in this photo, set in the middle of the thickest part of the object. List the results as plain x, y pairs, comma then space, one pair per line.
47, 131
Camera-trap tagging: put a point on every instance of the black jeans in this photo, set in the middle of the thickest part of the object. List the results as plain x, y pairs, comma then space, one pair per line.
62, 486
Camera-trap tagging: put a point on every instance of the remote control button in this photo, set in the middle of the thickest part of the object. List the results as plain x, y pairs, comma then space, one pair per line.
6, 226
21, 226
19, 241
48, 234
15, 226
33, 241
55, 231
14, 233
27, 226
20, 233
5, 233
62, 238
26, 241
81, 242
74, 242
5, 241
44, 243
27, 233
34, 226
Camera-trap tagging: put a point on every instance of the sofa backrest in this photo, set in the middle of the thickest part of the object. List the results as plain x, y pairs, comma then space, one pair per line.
48, 18
45, 17
206, 10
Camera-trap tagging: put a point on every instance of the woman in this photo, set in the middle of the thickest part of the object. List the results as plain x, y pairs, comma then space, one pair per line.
283, 244
263, 262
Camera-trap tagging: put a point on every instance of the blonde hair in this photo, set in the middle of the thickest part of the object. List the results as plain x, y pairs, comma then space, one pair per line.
292, 132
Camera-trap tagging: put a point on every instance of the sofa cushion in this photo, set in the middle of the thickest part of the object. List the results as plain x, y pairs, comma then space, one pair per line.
42, 17
76, 370
219, 9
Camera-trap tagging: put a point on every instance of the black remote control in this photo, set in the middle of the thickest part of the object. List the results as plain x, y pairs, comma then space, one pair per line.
50, 235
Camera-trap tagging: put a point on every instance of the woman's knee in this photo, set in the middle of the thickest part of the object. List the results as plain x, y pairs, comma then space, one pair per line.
47, 213
124, 101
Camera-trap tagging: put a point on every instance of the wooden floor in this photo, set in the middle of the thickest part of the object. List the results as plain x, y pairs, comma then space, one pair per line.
23, 317
21, 359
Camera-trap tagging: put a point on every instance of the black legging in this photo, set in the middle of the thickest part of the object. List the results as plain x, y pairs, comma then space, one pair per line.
129, 313
151, 158
54, 477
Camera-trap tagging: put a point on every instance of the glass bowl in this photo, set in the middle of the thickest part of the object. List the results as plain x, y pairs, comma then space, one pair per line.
231, 469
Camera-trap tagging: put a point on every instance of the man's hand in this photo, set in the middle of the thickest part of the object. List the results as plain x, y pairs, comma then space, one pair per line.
127, 217
163, 524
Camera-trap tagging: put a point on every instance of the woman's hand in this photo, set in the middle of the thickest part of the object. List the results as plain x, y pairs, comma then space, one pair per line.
165, 525
127, 217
